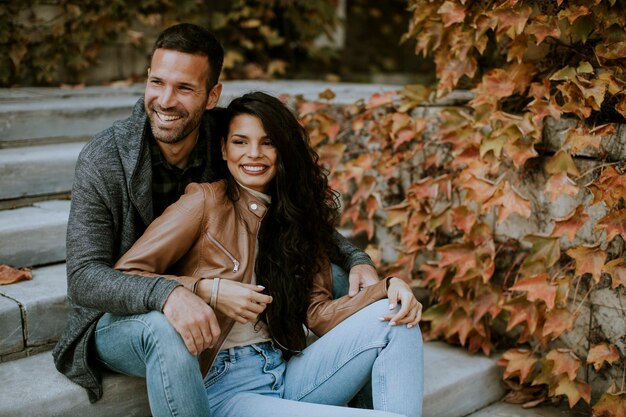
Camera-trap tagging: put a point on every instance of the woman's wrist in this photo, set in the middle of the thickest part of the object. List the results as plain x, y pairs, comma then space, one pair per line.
204, 289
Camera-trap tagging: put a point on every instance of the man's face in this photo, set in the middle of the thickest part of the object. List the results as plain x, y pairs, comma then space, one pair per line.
176, 95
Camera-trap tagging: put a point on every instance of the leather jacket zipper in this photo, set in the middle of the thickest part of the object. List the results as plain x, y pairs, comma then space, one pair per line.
223, 249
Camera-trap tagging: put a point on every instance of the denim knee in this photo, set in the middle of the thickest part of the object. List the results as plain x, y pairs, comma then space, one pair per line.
158, 333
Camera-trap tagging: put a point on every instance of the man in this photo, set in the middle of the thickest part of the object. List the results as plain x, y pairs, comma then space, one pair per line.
125, 177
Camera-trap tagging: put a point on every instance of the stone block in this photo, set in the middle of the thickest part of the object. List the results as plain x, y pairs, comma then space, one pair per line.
457, 383
44, 302
37, 170
34, 235
11, 336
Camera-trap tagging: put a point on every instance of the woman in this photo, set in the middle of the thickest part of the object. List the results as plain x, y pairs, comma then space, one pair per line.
256, 247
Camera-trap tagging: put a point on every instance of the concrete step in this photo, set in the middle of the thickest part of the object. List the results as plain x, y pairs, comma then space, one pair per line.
501, 409
51, 115
37, 170
34, 235
33, 313
456, 385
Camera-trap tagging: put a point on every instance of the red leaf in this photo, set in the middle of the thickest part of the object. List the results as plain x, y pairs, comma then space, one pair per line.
509, 202
331, 155
542, 26
600, 353
378, 99
433, 274
537, 288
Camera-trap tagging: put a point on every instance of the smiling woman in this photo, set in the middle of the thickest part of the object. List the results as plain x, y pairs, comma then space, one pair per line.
249, 153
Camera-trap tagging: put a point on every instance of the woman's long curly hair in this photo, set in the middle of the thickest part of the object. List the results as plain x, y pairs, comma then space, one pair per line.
297, 232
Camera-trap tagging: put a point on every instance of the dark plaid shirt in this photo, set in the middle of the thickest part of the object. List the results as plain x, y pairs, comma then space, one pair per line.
168, 181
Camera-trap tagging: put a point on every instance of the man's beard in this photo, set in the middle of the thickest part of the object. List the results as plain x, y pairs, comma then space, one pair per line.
172, 136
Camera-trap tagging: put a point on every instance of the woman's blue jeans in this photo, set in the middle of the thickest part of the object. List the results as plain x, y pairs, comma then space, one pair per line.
255, 381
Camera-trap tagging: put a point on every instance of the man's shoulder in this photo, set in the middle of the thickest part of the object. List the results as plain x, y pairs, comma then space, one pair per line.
118, 138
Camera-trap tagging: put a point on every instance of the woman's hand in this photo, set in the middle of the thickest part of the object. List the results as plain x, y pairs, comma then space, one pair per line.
241, 302
410, 311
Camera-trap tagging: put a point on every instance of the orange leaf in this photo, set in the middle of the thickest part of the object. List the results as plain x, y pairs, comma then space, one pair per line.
559, 184
518, 362
600, 353
509, 202
433, 274
621, 107
364, 225
331, 155
579, 139
461, 325
364, 190
10, 275
558, 321
542, 26
378, 99
573, 12
522, 312
537, 288
611, 405
545, 250
565, 362
487, 302
617, 270
588, 260
570, 224
614, 223
573, 390
451, 13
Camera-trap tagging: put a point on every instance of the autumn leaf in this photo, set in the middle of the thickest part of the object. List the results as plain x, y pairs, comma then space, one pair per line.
558, 320
331, 155
561, 162
570, 224
487, 302
600, 353
610, 187
588, 260
537, 288
508, 202
617, 270
616, 50
518, 362
451, 13
327, 94
542, 26
614, 223
461, 325
545, 250
398, 214
380, 99
565, 362
559, 184
10, 275
610, 405
521, 311
621, 107
365, 189
434, 274
573, 390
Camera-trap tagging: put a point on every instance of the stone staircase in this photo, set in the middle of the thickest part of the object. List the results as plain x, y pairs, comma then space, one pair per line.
41, 133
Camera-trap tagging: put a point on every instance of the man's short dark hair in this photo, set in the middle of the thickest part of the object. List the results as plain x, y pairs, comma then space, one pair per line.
196, 40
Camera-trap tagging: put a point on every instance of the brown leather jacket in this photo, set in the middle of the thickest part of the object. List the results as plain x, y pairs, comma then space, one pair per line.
201, 236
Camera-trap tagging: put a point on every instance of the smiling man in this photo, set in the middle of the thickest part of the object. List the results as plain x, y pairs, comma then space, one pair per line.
125, 177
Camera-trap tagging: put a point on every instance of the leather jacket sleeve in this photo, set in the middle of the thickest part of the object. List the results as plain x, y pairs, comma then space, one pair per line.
324, 313
168, 238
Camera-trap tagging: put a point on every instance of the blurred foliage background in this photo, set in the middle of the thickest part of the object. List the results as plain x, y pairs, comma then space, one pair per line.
53, 42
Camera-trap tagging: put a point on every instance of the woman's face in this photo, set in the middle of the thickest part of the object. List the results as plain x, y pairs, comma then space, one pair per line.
249, 153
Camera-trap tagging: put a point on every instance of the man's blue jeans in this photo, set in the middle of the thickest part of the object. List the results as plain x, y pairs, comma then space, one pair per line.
327, 374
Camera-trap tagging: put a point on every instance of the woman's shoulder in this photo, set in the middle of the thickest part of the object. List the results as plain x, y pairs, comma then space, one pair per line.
209, 193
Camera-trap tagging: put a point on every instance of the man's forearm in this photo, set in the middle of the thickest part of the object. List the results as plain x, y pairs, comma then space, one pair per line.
348, 255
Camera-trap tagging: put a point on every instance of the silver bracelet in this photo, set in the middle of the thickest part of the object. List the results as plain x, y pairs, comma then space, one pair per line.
216, 286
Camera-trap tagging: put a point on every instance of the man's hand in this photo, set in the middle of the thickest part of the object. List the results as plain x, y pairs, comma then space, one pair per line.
241, 302
361, 276
193, 319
